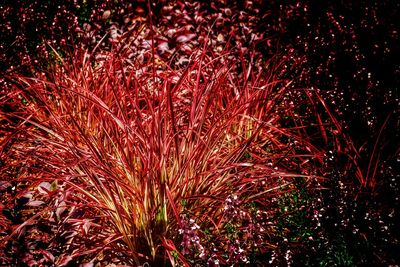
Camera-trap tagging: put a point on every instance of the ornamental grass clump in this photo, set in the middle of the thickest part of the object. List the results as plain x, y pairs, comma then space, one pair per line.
113, 161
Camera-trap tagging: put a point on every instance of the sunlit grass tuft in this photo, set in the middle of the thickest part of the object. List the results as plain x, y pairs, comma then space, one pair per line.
128, 154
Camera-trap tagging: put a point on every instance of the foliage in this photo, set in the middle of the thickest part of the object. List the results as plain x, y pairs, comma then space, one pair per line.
124, 146
189, 136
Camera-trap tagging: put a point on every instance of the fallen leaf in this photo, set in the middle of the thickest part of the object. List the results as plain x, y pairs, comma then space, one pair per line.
4, 185
35, 203
44, 188
185, 38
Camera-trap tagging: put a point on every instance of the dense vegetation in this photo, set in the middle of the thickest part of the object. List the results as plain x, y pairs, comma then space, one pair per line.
229, 133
